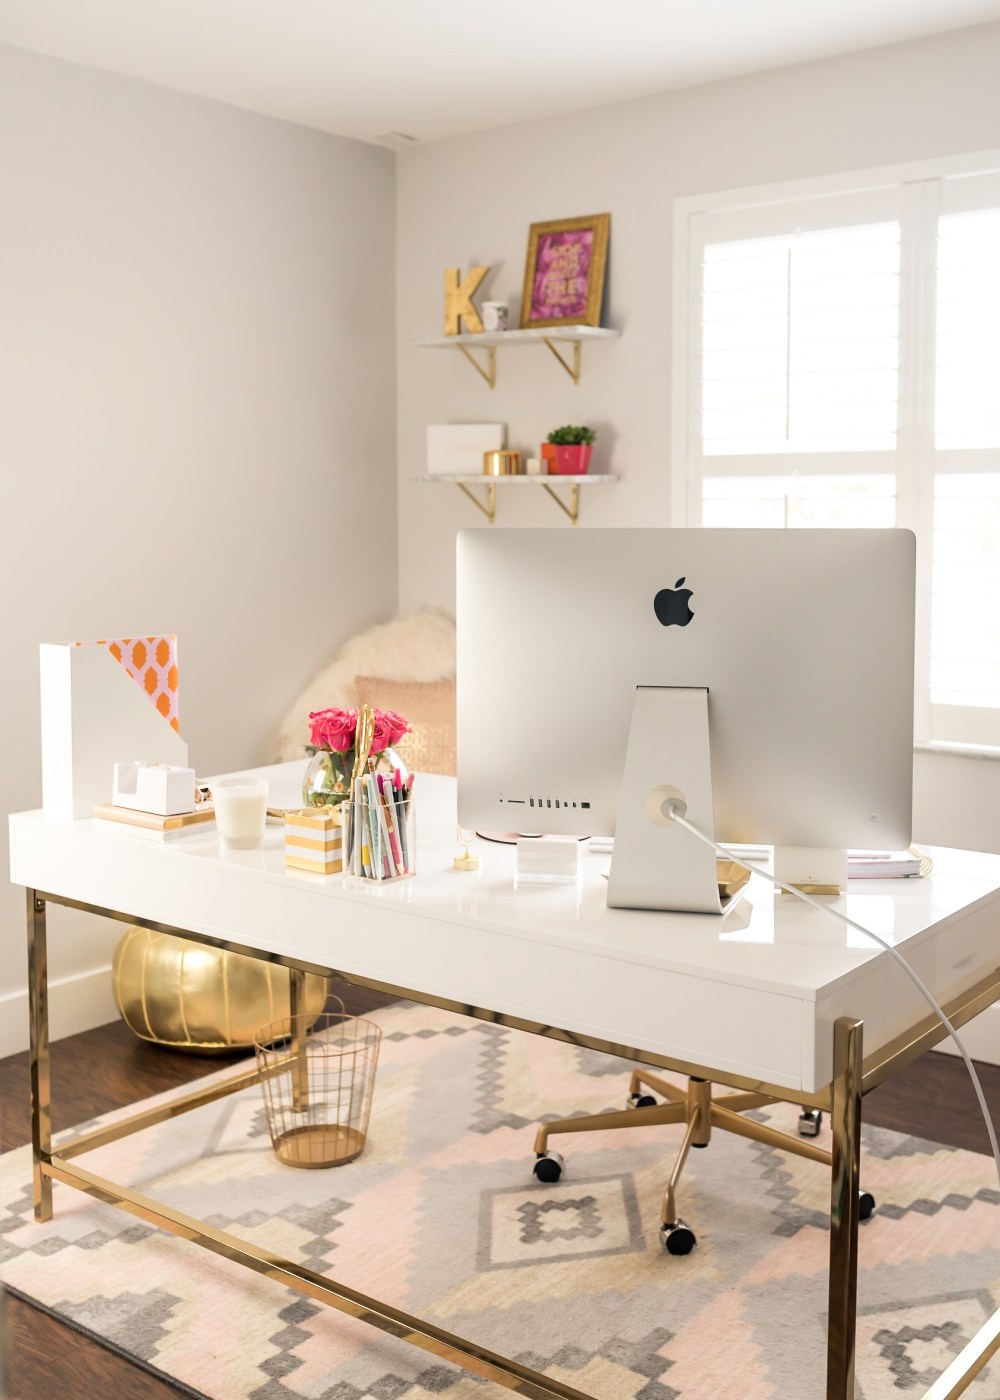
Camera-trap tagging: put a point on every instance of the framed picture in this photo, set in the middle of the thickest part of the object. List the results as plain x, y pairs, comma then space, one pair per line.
564, 276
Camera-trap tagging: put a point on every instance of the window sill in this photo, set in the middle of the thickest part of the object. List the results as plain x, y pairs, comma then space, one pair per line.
959, 750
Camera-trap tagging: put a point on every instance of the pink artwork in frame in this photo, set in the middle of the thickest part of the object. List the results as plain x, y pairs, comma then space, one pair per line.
564, 277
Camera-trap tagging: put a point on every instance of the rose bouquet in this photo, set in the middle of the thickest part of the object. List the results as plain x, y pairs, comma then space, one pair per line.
332, 737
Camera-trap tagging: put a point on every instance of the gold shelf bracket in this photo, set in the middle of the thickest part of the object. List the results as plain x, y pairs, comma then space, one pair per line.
490, 508
573, 370
573, 509
490, 372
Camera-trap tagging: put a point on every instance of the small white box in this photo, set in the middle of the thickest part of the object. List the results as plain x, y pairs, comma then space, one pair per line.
548, 858
154, 787
456, 449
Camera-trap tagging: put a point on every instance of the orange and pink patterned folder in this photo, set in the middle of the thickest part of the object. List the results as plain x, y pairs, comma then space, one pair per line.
152, 664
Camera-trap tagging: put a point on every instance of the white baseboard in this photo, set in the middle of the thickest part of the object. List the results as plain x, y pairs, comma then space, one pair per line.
981, 1037
77, 1003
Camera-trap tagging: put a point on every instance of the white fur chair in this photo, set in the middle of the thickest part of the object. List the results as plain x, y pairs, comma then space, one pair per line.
407, 665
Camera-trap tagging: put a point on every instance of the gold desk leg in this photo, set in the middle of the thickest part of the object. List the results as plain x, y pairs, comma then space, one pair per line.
845, 1122
38, 1056
300, 1065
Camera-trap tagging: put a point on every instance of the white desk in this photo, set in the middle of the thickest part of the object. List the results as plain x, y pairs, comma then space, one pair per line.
772, 997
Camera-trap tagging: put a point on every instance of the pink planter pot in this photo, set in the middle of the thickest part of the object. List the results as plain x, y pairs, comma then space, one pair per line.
571, 461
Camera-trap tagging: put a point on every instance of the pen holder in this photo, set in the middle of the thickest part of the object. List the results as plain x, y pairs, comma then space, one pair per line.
380, 835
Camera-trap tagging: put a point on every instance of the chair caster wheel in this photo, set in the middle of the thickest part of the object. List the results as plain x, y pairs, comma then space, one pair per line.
677, 1238
548, 1167
810, 1122
640, 1101
866, 1205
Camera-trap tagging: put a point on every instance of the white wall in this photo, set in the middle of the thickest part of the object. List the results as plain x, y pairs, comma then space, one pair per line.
196, 431
471, 200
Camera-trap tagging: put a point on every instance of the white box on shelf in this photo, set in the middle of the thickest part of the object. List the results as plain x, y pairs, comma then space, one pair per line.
93, 712
456, 449
153, 787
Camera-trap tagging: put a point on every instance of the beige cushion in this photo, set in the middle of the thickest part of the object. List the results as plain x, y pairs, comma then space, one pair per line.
429, 706
419, 647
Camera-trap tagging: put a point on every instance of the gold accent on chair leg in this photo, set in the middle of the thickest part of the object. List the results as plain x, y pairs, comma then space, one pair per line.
845, 1122
739, 1103
699, 1110
617, 1118
696, 1107
731, 1122
642, 1079
38, 1057
668, 1211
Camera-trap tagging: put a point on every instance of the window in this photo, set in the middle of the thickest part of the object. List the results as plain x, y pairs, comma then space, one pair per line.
839, 365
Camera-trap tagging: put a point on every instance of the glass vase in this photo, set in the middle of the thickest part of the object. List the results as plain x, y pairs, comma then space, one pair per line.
327, 779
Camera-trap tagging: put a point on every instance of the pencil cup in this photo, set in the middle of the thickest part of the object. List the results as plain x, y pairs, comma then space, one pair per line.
380, 835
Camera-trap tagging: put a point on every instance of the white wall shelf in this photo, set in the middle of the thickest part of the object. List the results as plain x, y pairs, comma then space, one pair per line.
488, 506
489, 340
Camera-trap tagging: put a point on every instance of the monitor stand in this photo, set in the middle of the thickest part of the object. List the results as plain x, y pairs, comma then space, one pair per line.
656, 863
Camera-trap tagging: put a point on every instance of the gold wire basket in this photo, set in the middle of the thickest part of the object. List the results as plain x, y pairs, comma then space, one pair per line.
317, 1075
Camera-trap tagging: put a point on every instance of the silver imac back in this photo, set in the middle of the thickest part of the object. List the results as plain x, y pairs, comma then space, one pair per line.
803, 640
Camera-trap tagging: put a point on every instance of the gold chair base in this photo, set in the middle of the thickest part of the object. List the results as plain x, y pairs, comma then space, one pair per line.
699, 1111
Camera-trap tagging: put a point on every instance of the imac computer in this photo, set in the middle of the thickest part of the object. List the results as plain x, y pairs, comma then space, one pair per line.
764, 678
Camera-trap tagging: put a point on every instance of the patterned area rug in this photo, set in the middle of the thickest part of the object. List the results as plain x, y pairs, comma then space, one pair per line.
441, 1216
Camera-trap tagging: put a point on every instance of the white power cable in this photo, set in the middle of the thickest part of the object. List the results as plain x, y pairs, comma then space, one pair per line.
671, 809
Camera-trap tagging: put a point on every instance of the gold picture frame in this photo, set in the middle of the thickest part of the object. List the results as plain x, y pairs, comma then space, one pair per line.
564, 273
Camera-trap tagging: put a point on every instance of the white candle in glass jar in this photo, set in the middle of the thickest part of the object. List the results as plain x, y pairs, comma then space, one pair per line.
240, 811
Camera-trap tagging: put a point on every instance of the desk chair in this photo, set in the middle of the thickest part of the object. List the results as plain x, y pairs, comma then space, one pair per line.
701, 1112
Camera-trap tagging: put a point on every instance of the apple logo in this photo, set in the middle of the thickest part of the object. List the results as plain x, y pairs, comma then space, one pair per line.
671, 606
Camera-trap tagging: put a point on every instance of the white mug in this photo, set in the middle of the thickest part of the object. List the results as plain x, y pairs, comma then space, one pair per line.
495, 315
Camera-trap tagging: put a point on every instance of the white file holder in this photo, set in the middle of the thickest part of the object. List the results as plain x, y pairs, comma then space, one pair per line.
93, 716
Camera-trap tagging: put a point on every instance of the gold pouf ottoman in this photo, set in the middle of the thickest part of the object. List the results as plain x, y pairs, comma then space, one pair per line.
186, 995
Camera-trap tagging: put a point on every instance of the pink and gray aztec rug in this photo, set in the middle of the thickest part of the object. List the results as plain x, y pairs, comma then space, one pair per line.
442, 1217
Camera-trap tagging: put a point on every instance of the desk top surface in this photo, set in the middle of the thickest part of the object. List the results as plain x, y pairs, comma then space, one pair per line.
478, 936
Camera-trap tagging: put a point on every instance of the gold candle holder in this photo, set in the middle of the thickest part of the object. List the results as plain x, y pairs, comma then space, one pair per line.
502, 463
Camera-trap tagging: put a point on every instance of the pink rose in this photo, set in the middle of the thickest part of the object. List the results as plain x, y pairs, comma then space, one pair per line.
381, 732
333, 729
388, 730
397, 726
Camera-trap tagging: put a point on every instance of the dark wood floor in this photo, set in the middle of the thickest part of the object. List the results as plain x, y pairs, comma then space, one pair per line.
109, 1068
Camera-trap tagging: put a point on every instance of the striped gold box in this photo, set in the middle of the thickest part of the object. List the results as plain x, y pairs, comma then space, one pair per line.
314, 840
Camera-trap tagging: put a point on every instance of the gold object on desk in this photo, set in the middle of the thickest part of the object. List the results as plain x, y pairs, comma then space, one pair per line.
731, 877
364, 735
190, 996
503, 463
203, 813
